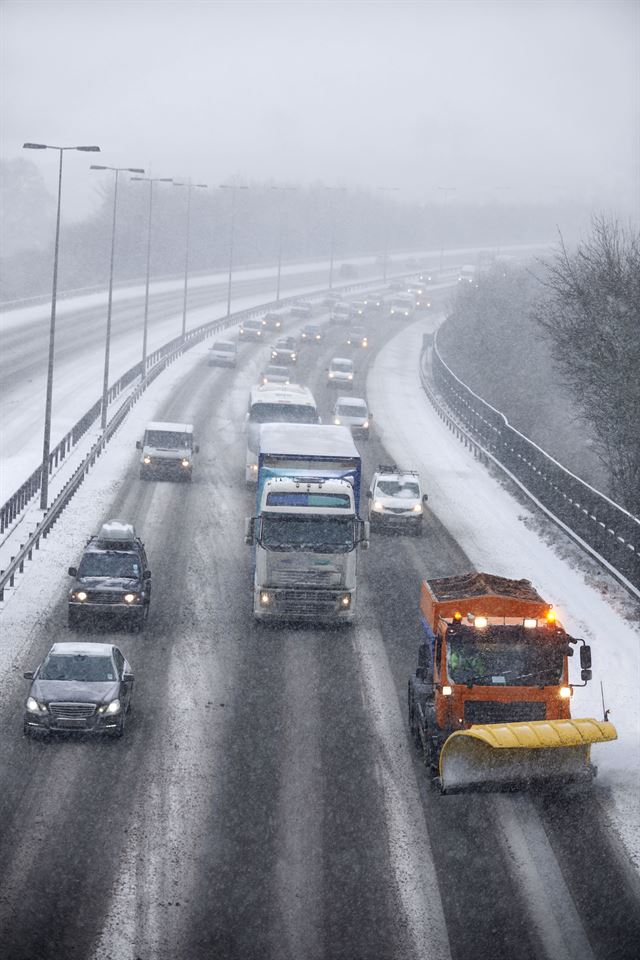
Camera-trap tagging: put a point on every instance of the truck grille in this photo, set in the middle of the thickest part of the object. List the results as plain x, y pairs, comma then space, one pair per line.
307, 603
292, 578
71, 711
493, 711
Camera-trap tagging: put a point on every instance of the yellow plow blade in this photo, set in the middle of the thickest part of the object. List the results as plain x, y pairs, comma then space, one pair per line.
495, 754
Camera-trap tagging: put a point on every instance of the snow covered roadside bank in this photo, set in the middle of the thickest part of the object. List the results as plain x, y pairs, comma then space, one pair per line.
502, 536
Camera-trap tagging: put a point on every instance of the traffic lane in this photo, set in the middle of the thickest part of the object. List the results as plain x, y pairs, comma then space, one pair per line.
111, 782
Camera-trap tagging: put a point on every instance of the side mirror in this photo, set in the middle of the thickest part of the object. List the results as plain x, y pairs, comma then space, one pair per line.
196, 449
249, 530
585, 657
421, 673
138, 445
29, 674
365, 534
128, 678
146, 575
586, 675
424, 497
73, 572
369, 494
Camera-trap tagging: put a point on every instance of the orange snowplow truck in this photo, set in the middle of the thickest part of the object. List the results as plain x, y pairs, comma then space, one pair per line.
490, 703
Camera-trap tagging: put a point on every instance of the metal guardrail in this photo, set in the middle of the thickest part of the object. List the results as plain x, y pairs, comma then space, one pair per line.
157, 362
605, 529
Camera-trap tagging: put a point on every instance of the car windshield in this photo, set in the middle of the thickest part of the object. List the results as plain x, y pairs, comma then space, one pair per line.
319, 535
351, 410
78, 666
404, 490
504, 655
341, 366
120, 565
277, 372
224, 346
282, 413
167, 440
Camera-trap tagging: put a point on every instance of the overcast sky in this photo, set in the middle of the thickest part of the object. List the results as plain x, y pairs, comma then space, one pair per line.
513, 100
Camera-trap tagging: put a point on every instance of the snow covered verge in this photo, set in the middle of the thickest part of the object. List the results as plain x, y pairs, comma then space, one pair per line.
500, 535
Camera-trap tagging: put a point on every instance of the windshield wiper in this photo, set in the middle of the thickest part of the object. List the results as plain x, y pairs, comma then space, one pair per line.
507, 673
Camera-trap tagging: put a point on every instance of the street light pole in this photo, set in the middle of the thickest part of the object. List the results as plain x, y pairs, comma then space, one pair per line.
333, 231
386, 233
280, 233
46, 442
446, 191
107, 343
190, 186
150, 181
233, 187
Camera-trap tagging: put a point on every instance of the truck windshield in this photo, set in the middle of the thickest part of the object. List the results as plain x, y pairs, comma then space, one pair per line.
502, 656
109, 565
167, 440
317, 534
282, 413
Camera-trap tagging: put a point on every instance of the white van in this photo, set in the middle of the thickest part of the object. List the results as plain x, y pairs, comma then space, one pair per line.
167, 451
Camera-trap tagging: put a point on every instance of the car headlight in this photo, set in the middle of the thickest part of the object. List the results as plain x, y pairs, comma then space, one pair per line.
365, 424
131, 597
265, 598
185, 462
293, 356
114, 707
345, 601
253, 467
33, 706
80, 595
336, 420
331, 375
349, 376
273, 354
416, 508
318, 337
378, 506
146, 459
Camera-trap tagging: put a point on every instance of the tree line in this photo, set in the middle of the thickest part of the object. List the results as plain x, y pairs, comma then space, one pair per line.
556, 347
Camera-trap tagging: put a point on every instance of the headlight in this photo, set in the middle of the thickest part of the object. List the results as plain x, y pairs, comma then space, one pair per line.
336, 420
349, 376
293, 356
131, 597
146, 459
34, 707
318, 337
273, 354
447, 691
566, 692
365, 425
365, 342
111, 708
79, 595
416, 508
185, 462
254, 468
265, 598
331, 375
345, 601
377, 506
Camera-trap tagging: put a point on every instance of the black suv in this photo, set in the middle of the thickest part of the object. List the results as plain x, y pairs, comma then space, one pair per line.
113, 580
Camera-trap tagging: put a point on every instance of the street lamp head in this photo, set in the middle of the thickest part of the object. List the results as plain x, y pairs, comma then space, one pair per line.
87, 149
96, 166
34, 146
134, 170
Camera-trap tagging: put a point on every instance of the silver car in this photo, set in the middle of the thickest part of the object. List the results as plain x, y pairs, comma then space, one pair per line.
396, 500
353, 412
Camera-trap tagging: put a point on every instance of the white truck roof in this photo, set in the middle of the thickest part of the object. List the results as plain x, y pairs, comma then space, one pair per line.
282, 393
166, 427
307, 439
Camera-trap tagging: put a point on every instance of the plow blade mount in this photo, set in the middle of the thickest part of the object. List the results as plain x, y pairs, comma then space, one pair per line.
496, 755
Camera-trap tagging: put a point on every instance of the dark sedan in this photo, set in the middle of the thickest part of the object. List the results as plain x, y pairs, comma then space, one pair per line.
79, 687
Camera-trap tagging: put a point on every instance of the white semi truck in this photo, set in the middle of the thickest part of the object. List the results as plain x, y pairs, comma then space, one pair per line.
306, 533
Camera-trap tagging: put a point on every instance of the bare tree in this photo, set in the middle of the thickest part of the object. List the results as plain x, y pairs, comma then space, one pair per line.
591, 314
